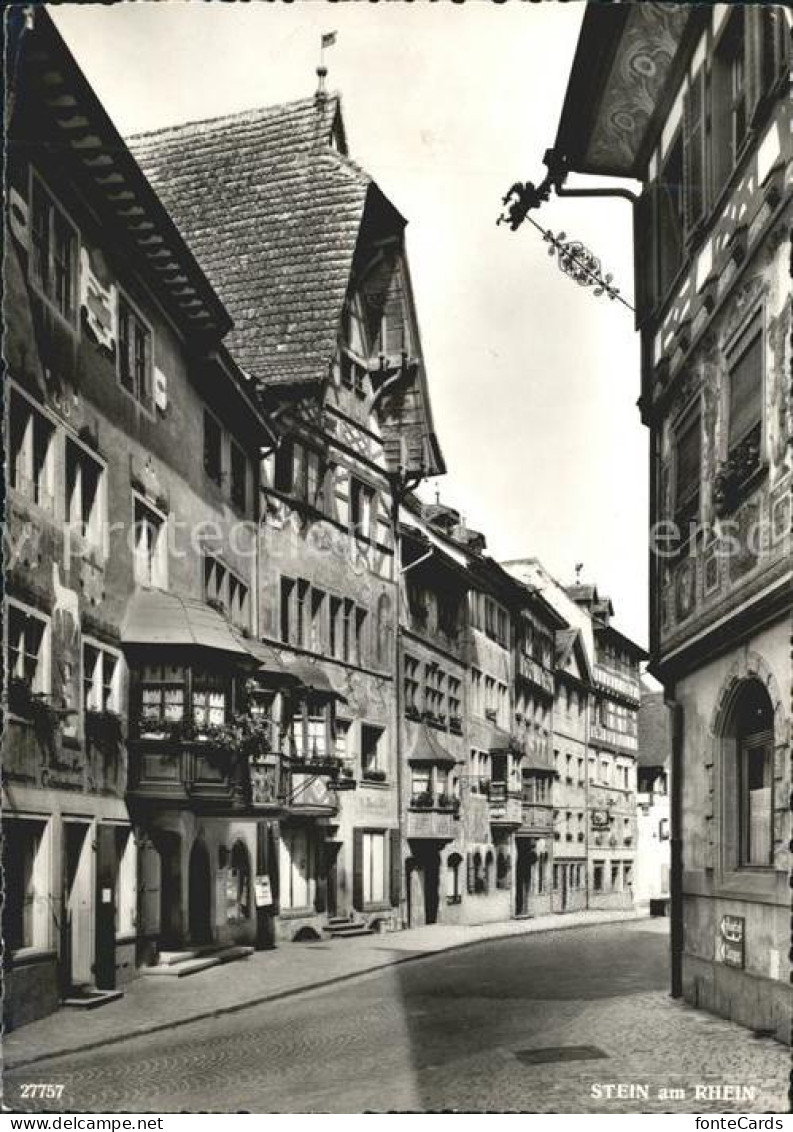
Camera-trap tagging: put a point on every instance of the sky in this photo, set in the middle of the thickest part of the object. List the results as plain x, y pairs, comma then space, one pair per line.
533, 379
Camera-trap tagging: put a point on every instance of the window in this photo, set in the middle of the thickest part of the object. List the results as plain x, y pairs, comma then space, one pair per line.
627, 874
373, 868
318, 616
101, 672
296, 868
420, 782
688, 462
729, 98
361, 618
210, 699
335, 626
150, 557
134, 354
671, 215
361, 507
311, 724
239, 476
745, 368
28, 649
287, 589
353, 346
238, 605
455, 703
597, 876
372, 740
163, 690
411, 685
53, 261
31, 452
213, 448
84, 504
342, 739
756, 793
26, 907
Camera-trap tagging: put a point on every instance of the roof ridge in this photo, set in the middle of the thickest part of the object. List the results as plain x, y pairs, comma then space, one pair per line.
225, 119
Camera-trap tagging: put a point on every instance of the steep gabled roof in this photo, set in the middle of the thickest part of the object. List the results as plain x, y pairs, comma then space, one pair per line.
568, 643
273, 214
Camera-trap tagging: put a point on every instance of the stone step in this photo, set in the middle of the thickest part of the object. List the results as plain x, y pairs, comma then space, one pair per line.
182, 969
170, 958
88, 998
231, 954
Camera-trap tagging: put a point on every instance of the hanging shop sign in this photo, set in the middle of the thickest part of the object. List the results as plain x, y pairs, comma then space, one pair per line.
264, 892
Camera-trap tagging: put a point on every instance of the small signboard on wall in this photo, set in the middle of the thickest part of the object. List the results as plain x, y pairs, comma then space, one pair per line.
264, 892
730, 942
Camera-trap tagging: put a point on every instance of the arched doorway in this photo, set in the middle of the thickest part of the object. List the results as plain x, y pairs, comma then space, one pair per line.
748, 752
200, 894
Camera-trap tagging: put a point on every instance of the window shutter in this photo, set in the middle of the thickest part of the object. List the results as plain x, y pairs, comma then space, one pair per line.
645, 254
357, 869
395, 861
694, 149
470, 874
753, 48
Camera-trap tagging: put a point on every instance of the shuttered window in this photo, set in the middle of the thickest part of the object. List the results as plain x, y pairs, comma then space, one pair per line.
745, 364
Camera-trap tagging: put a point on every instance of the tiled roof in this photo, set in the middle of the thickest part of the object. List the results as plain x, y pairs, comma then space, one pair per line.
272, 213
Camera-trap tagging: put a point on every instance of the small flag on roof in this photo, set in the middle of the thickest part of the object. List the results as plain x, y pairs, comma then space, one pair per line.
328, 39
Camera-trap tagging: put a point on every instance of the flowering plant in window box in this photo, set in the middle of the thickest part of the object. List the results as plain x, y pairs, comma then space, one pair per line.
373, 774
456, 724
454, 898
216, 604
421, 801
105, 731
448, 802
412, 712
734, 474
429, 716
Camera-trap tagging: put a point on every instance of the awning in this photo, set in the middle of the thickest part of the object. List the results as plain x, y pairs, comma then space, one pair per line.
426, 750
271, 669
314, 679
502, 743
154, 617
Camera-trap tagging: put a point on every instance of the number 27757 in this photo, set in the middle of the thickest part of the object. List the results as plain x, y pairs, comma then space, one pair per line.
39, 1090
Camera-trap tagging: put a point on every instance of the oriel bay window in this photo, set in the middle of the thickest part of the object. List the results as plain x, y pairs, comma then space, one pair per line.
177, 698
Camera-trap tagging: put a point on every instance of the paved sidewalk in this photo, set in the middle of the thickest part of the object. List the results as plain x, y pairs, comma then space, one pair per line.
150, 1004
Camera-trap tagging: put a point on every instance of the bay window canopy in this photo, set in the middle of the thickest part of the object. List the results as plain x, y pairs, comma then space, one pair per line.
427, 751
157, 618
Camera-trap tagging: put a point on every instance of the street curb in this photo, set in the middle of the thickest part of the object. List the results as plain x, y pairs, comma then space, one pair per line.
292, 992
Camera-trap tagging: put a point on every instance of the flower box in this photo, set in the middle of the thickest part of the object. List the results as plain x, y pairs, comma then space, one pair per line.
422, 801
373, 774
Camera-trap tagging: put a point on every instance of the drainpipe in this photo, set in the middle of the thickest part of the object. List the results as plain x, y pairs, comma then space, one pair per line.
676, 932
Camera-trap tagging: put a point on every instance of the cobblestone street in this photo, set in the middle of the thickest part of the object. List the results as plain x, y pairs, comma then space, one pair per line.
460, 1030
